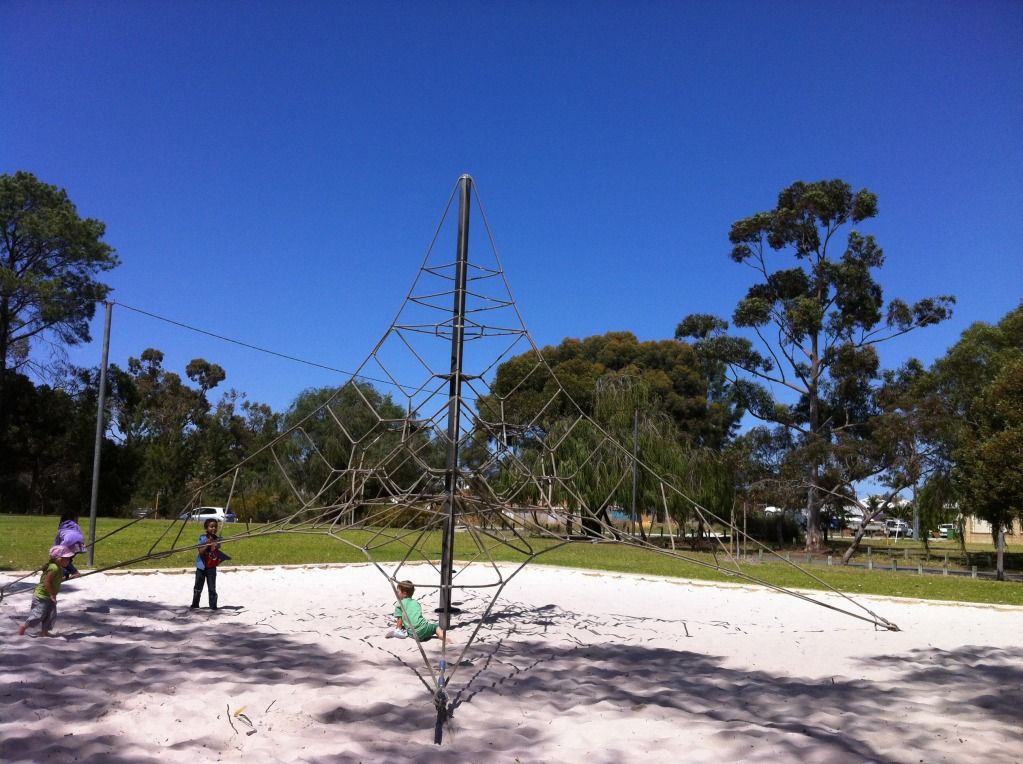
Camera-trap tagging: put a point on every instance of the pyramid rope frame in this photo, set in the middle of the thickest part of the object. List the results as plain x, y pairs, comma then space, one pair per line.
371, 486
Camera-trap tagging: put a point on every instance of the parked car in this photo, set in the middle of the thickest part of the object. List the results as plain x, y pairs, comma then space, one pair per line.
874, 526
141, 512
898, 528
202, 514
946, 530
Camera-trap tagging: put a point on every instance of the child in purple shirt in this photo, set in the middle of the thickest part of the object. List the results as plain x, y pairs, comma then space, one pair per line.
69, 535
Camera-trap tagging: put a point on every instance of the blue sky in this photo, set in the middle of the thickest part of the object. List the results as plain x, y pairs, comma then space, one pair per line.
274, 171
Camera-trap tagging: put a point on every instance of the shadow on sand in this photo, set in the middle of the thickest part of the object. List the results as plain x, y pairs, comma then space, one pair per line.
831, 720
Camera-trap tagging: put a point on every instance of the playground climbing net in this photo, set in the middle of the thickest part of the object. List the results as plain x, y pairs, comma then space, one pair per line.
454, 445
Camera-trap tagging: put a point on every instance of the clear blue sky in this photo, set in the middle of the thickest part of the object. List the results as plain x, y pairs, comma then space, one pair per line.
274, 171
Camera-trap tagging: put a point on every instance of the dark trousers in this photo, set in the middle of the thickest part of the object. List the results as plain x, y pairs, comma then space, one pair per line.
209, 576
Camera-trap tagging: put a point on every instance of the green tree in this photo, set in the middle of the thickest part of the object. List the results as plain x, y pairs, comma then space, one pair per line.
50, 259
680, 385
50, 446
978, 389
889, 450
161, 422
352, 442
812, 365
49, 262
44, 428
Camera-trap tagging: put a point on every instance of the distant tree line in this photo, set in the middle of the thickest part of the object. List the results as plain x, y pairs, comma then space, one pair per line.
801, 360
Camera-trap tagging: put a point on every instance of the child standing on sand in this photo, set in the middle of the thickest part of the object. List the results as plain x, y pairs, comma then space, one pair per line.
408, 616
44, 599
206, 563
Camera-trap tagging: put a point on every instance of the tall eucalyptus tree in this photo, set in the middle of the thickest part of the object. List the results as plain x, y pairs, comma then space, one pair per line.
808, 361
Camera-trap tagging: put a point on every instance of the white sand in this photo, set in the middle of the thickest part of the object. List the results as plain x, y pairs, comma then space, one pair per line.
570, 666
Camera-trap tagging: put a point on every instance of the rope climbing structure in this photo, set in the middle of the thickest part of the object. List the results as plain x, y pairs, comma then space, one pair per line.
466, 452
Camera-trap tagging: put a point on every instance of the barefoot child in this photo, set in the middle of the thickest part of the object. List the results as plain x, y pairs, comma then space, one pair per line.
44, 599
408, 615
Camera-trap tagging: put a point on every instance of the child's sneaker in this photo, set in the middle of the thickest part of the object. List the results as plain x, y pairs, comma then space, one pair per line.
396, 634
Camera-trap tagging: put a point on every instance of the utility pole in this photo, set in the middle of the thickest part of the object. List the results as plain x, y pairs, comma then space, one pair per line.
100, 405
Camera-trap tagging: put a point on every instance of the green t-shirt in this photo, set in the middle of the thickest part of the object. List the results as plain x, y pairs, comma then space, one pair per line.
40, 592
412, 619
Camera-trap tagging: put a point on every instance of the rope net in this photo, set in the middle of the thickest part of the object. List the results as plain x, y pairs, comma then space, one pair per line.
368, 465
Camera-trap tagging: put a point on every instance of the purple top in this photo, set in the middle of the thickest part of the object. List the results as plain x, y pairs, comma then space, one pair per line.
70, 535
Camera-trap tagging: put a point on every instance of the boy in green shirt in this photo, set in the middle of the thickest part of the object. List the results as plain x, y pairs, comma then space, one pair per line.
408, 615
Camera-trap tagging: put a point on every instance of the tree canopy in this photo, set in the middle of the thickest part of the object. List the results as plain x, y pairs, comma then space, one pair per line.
679, 383
811, 366
50, 259
977, 391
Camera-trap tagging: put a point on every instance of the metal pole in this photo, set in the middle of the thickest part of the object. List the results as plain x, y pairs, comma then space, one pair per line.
100, 404
454, 403
635, 465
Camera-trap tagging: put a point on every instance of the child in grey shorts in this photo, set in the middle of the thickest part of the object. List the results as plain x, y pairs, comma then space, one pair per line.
44, 598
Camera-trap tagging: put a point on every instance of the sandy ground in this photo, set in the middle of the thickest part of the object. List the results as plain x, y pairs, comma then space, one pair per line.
569, 666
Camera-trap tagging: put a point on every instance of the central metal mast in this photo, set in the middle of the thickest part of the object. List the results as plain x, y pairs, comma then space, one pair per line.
451, 475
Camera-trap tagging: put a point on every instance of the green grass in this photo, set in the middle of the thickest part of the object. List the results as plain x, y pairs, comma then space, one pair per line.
25, 540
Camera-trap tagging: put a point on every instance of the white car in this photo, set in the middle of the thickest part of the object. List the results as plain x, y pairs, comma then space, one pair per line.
945, 530
202, 514
897, 528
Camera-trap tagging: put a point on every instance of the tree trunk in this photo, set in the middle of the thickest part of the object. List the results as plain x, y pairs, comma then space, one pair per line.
858, 536
590, 523
856, 539
814, 537
5, 328
916, 514
698, 540
1000, 566
814, 534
